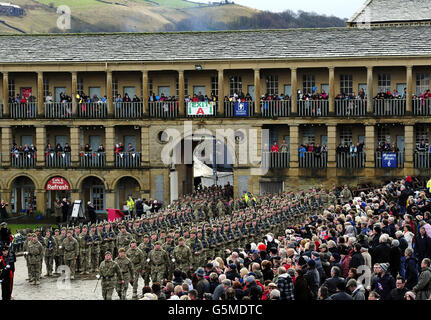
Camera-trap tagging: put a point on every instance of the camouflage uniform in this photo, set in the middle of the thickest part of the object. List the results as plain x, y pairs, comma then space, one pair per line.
71, 251
84, 252
159, 261
146, 249
59, 253
136, 256
35, 256
94, 251
124, 239
50, 247
128, 272
108, 271
183, 257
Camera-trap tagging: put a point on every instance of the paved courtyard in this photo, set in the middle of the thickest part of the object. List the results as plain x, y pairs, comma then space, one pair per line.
52, 288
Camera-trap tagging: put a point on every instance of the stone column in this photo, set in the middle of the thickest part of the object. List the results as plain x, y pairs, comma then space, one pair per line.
6, 195
75, 146
110, 199
294, 85
370, 146
331, 92
145, 93
409, 146
294, 145
109, 145
40, 145
41, 201
74, 93
181, 103
221, 92
6, 139
40, 102
409, 95
76, 195
5, 94
370, 94
145, 146
109, 94
332, 145
257, 91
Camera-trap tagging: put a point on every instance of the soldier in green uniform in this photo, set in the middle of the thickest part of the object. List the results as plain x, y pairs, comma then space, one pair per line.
128, 272
159, 261
136, 256
42, 242
25, 249
35, 256
78, 258
146, 247
182, 256
123, 238
71, 250
221, 208
94, 248
60, 251
50, 247
84, 241
108, 271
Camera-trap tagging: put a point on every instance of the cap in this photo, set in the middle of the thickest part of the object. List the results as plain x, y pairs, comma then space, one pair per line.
108, 252
200, 272
121, 250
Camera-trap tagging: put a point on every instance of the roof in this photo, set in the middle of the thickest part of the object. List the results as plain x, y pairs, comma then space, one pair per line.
206, 46
374, 11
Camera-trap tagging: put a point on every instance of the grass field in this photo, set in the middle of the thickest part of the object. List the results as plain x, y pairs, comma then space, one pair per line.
15, 227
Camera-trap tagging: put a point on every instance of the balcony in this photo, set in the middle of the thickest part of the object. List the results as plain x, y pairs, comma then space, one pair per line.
312, 160
422, 107
58, 110
23, 159
347, 160
275, 160
163, 109
57, 159
246, 110
313, 108
128, 160
422, 160
23, 110
352, 107
128, 110
92, 159
93, 110
389, 107
275, 108
383, 159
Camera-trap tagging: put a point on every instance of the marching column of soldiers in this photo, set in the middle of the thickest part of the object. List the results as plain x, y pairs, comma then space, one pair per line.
184, 236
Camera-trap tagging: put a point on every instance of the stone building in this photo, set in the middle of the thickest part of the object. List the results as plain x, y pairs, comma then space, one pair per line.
274, 62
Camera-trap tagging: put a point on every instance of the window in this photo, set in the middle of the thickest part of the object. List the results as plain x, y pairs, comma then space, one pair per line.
80, 85
214, 85
422, 83
186, 87
308, 83
308, 136
346, 136
11, 85
346, 84
235, 85
422, 134
272, 84
384, 82
383, 135
114, 88
45, 87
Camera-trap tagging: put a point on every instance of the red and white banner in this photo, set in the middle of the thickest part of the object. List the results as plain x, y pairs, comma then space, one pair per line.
57, 183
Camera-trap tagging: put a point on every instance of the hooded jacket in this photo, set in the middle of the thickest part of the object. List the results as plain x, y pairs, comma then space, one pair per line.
423, 288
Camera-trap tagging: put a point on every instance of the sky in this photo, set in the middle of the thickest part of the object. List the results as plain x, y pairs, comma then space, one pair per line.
338, 8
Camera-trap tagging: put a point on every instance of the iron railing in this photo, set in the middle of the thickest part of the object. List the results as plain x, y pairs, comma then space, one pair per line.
163, 109
422, 107
312, 159
389, 107
275, 160
23, 110
57, 159
422, 160
93, 110
128, 160
352, 107
93, 159
58, 110
23, 159
128, 110
313, 108
275, 108
350, 160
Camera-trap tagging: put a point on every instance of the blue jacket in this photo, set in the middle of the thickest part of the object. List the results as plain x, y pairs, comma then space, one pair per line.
383, 285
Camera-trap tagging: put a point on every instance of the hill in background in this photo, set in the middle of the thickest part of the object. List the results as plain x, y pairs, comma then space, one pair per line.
154, 16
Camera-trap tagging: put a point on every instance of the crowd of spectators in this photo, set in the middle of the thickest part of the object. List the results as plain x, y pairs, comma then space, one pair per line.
386, 147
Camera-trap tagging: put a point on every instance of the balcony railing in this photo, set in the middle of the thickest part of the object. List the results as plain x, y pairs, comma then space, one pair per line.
190, 115
347, 160
422, 107
58, 110
57, 159
275, 160
92, 159
128, 110
275, 108
93, 110
163, 109
128, 160
229, 109
384, 159
352, 107
23, 110
389, 107
313, 108
23, 159
312, 160
422, 160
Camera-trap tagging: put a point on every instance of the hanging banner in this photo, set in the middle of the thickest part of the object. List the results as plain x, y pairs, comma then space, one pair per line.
241, 109
57, 183
200, 108
389, 160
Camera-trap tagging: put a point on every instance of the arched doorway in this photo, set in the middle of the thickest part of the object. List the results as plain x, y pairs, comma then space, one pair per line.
56, 188
126, 186
93, 189
211, 164
23, 196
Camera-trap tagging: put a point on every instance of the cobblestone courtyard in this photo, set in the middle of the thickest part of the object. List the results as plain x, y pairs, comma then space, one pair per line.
51, 288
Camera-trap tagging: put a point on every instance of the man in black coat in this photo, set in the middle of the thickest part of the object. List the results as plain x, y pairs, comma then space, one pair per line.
411, 269
232, 273
331, 283
7, 269
341, 294
357, 257
5, 235
398, 293
395, 258
422, 245
381, 253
